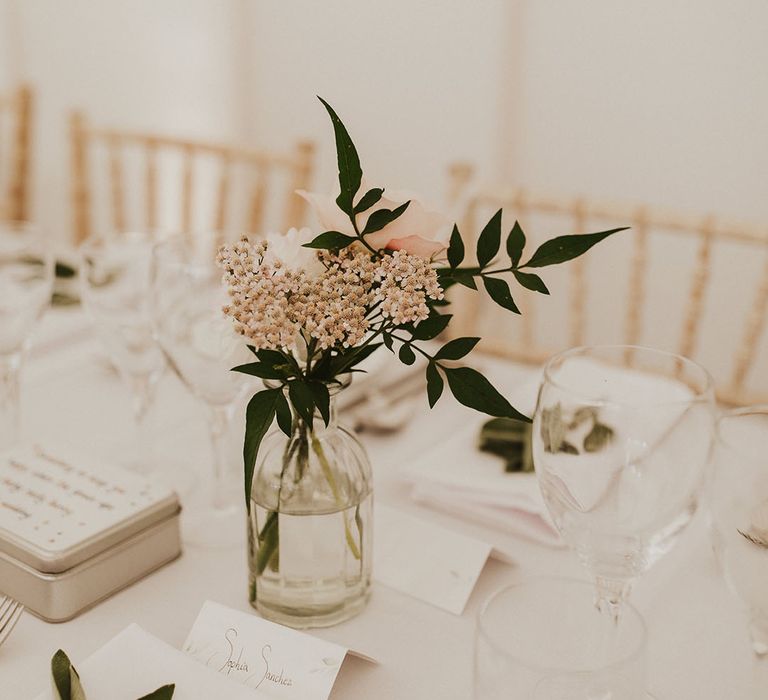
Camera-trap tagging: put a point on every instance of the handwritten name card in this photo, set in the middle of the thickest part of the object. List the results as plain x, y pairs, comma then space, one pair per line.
275, 661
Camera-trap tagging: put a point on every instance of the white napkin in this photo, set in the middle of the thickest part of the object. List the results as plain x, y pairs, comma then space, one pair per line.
134, 664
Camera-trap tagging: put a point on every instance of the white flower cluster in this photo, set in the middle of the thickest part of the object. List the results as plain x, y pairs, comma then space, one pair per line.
270, 303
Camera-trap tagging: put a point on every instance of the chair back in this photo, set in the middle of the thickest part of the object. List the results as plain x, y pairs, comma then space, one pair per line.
181, 185
695, 285
15, 145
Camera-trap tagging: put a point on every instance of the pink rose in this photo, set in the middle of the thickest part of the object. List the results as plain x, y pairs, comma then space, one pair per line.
416, 231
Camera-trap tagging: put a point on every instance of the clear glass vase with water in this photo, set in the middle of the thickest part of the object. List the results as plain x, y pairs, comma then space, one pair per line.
310, 525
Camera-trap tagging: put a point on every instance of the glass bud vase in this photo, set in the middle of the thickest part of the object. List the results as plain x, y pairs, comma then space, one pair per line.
310, 525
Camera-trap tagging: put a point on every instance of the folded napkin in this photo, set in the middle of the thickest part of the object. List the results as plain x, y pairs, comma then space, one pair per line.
134, 663
457, 478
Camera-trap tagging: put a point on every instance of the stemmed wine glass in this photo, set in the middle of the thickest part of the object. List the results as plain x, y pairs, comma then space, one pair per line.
201, 347
26, 280
738, 498
621, 437
114, 278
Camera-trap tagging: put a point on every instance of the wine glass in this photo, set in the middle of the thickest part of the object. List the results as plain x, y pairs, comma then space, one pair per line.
621, 437
26, 280
540, 639
114, 279
739, 506
201, 346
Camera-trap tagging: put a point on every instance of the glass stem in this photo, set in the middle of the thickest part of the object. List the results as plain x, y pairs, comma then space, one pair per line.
10, 415
142, 392
611, 594
219, 423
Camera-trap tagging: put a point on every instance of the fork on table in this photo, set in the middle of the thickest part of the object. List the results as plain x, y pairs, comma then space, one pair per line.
10, 612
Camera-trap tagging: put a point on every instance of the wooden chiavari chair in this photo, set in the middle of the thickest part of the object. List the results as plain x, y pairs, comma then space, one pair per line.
295, 168
15, 121
735, 335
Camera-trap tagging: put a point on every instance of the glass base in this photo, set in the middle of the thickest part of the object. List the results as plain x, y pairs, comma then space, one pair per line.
313, 612
213, 528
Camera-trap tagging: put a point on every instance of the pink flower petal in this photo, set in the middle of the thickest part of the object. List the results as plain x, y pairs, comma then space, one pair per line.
416, 245
330, 216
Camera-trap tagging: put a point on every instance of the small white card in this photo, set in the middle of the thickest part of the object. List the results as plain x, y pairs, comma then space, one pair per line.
426, 561
275, 661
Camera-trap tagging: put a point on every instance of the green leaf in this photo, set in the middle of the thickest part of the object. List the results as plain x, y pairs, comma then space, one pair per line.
258, 417
563, 248
531, 281
283, 412
515, 244
382, 217
434, 384
455, 248
350, 173
431, 327
76, 688
355, 356
490, 240
163, 693
260, 369
466, 280
498, 290
406, 354
331, 240
387, 338
598, 438
369, 199
303, 400
272, 357
60, 665
456, 349
322, 400
473, 390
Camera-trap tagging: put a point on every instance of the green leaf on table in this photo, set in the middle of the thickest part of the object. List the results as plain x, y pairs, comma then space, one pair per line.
515, 244
303, 400
489, 240
473, 390
331, 240
369, 199
350, 173
563, 248
261, 370
76, 688
163, 693
258, 417
434, 384
431, 327
62, 681
498, 290
456, 349
283, 413
406, 354
455, 248
531, 281
322, 400
383, 217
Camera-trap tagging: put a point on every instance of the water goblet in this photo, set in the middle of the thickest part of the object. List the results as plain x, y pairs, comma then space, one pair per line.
201, 347
542, 639
738, 497
621, 437
114, 279
26, 279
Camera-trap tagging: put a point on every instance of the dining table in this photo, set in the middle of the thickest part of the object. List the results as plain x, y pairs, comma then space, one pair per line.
698, 644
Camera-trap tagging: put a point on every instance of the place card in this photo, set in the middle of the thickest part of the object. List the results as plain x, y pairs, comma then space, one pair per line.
426, 561
275, 661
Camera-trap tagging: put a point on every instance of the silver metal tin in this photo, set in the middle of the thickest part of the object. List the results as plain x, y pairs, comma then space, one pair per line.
96, 569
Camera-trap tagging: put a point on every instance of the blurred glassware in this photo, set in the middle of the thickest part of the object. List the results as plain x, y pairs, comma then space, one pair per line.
201, 347
543, 639
621, 437
739, 504
26, 279
114, 282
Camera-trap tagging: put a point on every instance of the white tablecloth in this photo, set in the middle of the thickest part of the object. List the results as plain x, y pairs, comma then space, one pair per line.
698, 645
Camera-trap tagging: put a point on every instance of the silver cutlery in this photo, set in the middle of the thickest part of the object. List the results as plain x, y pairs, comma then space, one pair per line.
10, 612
